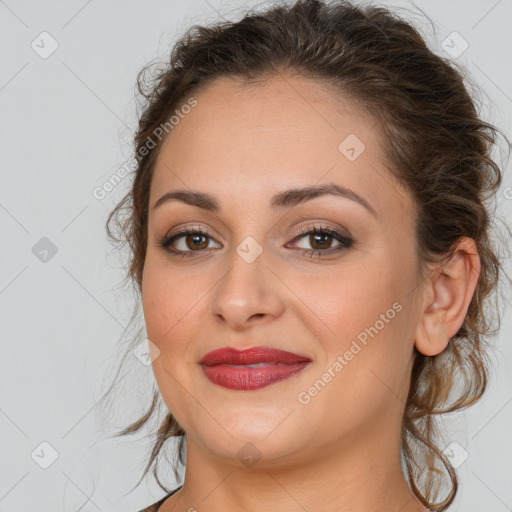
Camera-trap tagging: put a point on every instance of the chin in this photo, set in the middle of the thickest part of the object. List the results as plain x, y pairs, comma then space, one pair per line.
266, 436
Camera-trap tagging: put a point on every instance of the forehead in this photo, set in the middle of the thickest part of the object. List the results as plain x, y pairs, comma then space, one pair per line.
258, 139
280, 113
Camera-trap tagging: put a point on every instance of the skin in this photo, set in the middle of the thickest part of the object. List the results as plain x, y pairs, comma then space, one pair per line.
340, 451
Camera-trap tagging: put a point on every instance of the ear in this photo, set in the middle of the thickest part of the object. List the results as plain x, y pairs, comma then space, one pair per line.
447, 297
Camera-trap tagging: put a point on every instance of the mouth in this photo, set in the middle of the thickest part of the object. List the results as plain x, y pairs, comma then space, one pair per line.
252, 368
257, 365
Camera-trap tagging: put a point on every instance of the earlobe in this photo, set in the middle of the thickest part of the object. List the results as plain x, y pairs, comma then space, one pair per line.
447, 297
432, 337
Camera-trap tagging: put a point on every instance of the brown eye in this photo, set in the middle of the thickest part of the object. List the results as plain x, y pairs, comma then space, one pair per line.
321, 242
186, 242
194, 241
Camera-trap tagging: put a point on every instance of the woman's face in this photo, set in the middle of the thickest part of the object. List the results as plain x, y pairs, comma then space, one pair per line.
252, 278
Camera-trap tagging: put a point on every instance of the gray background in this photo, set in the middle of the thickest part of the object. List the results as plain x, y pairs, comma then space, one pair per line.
66, 123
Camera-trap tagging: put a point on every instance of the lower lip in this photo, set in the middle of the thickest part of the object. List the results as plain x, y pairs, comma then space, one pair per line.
243, 378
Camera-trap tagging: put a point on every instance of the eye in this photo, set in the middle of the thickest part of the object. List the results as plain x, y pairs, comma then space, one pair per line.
185, 242
321, 239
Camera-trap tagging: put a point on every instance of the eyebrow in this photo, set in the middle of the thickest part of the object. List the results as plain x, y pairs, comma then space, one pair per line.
282, 200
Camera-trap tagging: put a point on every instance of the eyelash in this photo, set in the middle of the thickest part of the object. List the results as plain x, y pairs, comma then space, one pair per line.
345, 242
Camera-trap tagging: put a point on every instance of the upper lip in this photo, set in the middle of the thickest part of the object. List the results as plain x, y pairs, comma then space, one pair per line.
253, 355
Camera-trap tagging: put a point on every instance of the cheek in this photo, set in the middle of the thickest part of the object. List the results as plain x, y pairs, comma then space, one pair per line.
157, 305
167, 298
366, 353
360, 315
346, 300
168, 304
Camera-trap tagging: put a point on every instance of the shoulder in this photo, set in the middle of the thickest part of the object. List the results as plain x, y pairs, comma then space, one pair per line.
158, 504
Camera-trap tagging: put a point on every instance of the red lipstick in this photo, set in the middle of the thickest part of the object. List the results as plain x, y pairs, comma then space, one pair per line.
252, 368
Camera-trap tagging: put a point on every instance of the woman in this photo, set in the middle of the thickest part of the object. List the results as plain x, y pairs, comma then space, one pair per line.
312, 247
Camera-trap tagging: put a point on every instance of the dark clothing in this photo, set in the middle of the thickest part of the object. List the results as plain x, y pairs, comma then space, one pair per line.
158, 504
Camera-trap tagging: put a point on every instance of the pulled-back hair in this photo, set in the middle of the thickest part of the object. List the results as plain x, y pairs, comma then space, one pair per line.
434, 144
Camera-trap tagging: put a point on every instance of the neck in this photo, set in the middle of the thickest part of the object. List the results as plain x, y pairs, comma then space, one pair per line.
361, 472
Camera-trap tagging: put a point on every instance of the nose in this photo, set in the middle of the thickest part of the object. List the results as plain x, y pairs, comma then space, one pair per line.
248, 294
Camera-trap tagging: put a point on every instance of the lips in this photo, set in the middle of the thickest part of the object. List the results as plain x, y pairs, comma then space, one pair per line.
251, 368
254, 355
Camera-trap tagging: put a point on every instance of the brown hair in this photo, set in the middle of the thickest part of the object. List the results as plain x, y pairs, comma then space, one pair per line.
434, 142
